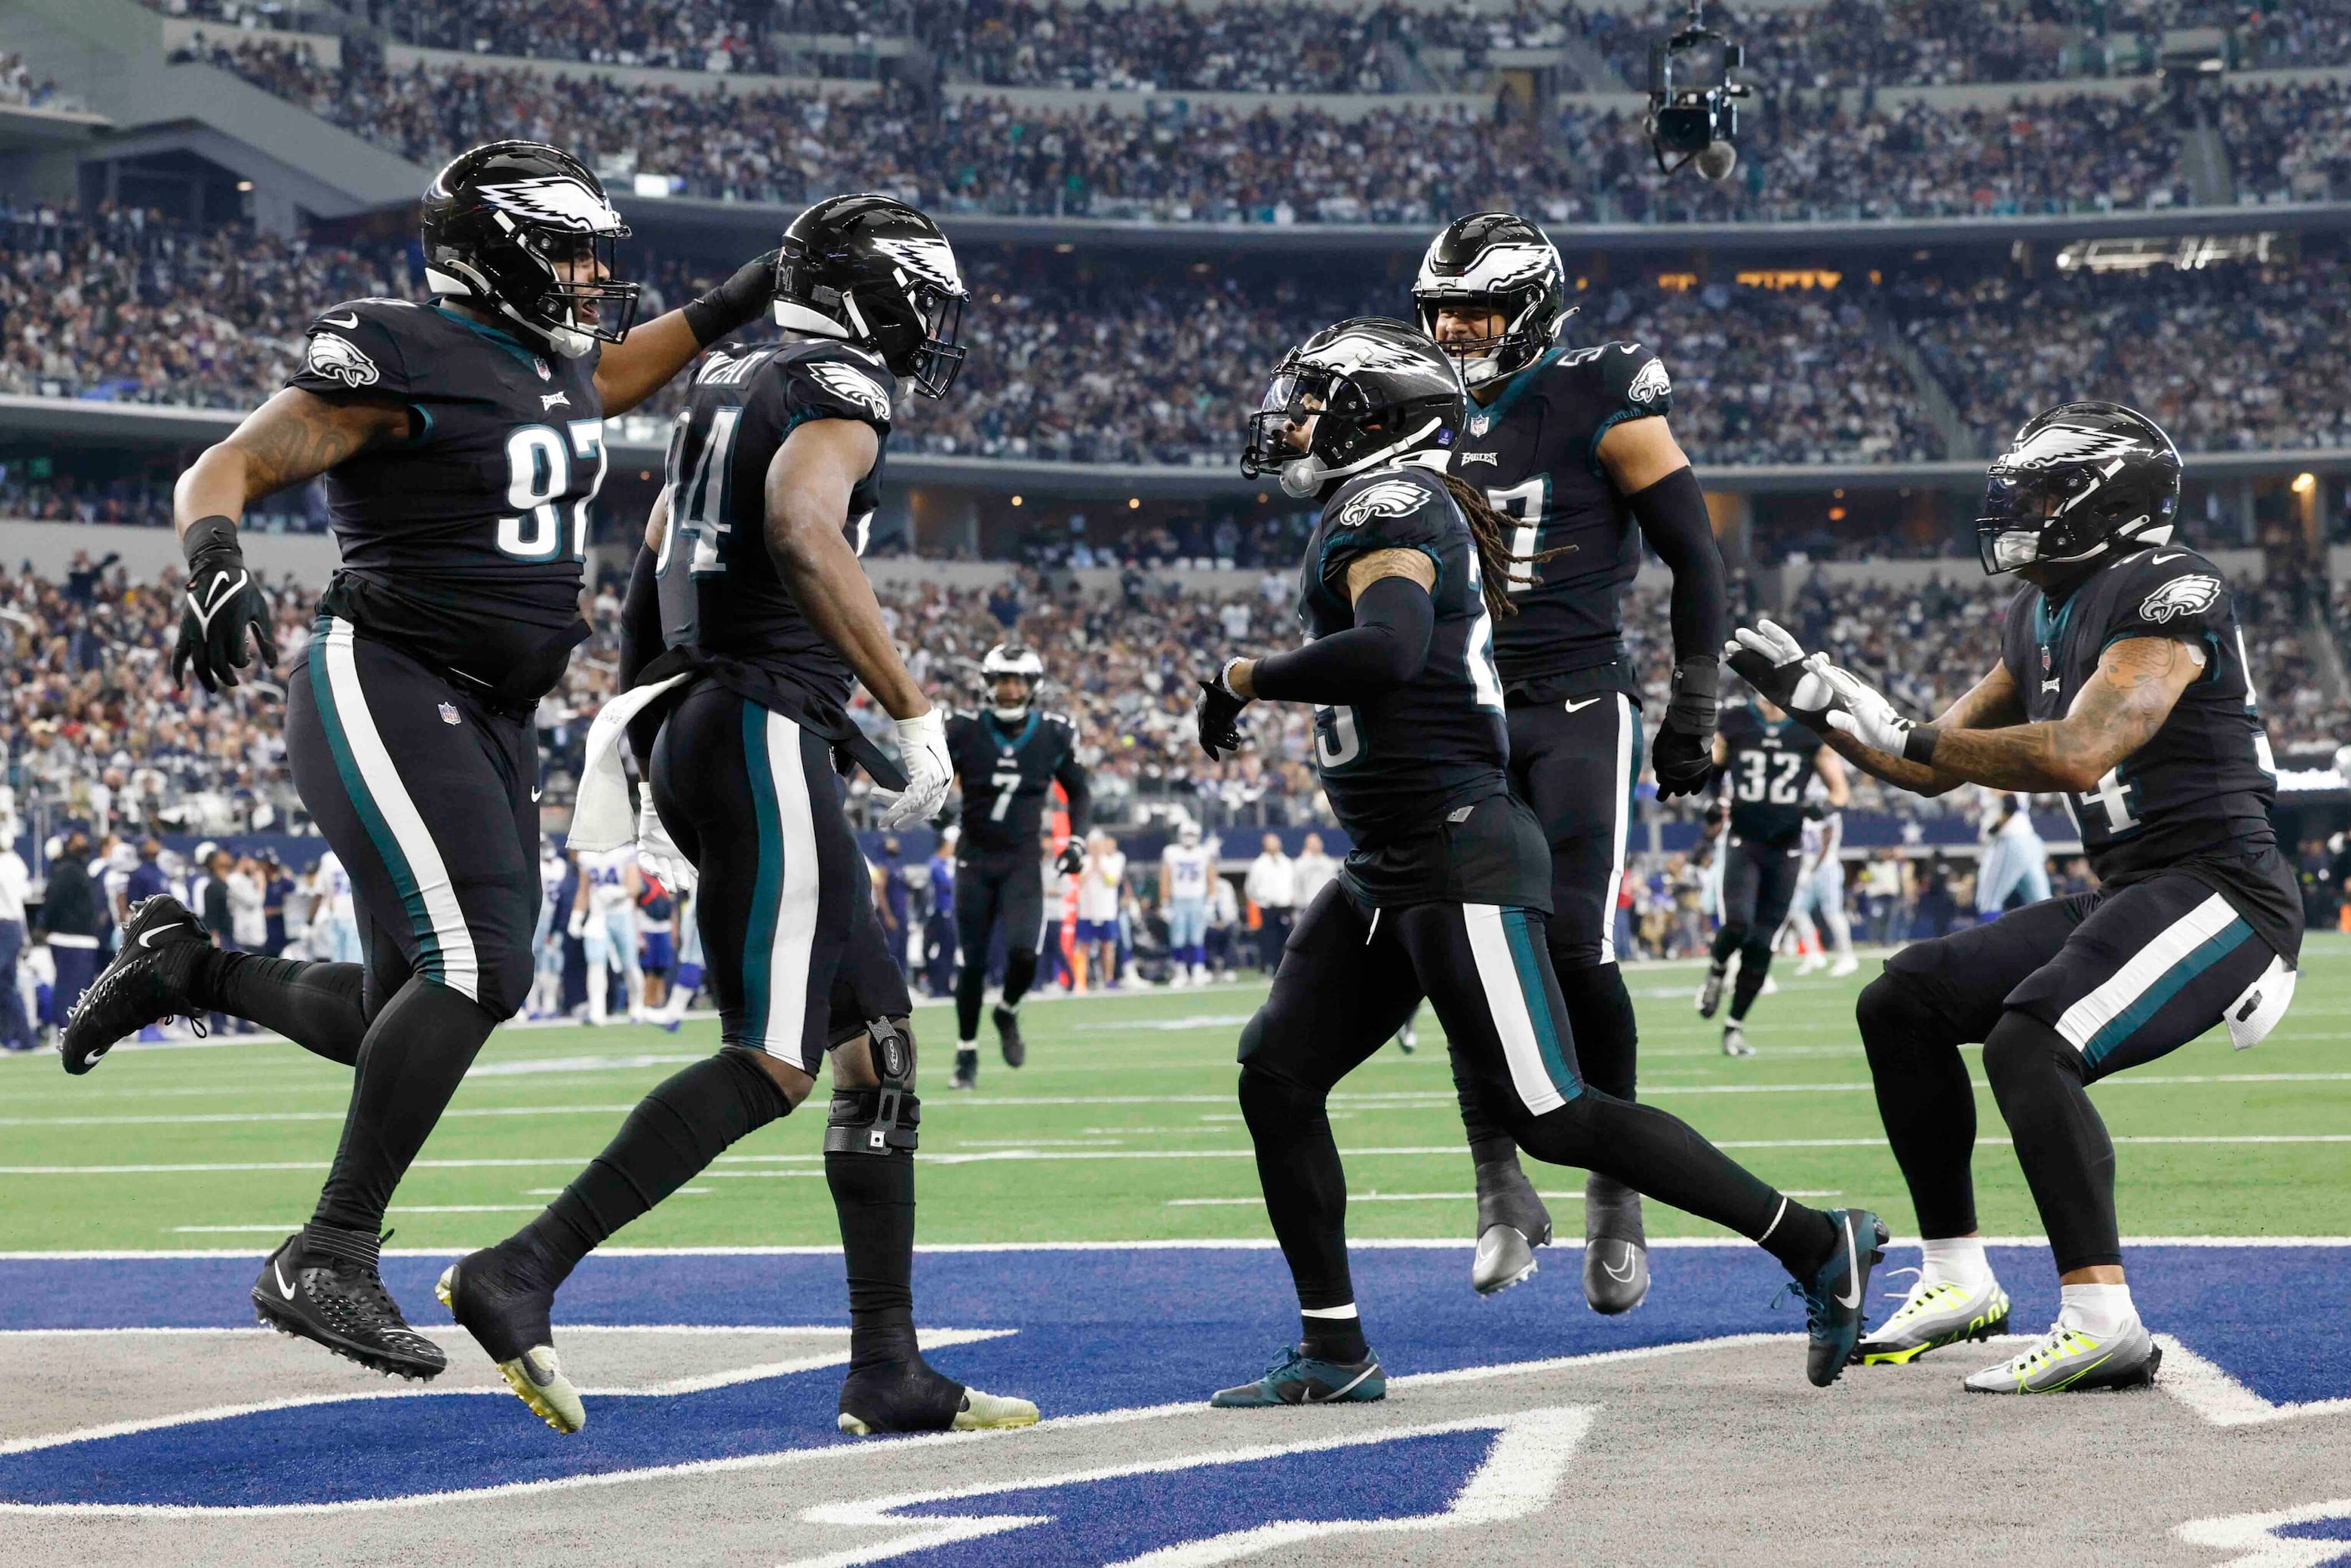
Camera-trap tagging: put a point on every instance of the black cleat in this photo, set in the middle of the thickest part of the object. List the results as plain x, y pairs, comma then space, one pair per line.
1511, 1223
343, 1306
967, 1069
906, 1396
146, 983
495, 1296
1834, 1292
1616, 1248
1007, 1031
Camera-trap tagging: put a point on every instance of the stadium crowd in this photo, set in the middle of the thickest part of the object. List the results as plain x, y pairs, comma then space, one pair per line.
1192, 162
2290, 143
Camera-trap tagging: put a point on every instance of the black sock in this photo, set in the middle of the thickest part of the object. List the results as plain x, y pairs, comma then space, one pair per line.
1305, 1187
670, 1138
1725, 942
1925, 1100
2068, 1159
873, 1194
1487, 1142
1333, 1339
971, 988
413, 1057
1660, 1157
1020, 973
1600, 1012
1754, 968
319, 1007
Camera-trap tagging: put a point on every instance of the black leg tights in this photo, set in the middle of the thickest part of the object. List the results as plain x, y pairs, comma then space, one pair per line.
319, 1007
414, 1055
2061, 1142
1923, 1099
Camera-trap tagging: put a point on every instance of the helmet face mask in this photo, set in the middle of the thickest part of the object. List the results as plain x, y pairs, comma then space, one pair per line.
871, 270
1364, 392
525, 231
2077, 481
1008, 662
1493, 264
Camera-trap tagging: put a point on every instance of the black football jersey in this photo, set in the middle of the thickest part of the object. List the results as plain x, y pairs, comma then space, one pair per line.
720, 590
465, 544
1008, 772
2197, 796
1770, 762
1441, 741
1535, 452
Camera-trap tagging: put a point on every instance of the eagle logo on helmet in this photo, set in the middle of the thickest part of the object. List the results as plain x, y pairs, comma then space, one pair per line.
2181, 596
556, 204
852, 385
2067, 444
929, 260
1650, 384
339, 360
1362, 352
1387, 498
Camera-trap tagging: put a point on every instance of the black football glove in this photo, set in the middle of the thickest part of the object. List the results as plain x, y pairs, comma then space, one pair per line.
224, 604
1219, 712
1072, 860
735, 303
1683, 756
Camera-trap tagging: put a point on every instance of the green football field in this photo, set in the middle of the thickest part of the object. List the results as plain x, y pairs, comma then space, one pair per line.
1123, 1127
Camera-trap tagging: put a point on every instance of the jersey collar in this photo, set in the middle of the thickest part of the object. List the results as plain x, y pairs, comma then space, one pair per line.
1482, 420
996, 726
504, 340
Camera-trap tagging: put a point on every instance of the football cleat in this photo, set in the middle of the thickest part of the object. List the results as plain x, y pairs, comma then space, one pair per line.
1007, 1033
967, 1069
1511, 1223
1933, 1316
1833, 1294
1811, 964
908, 1396
146, 983
493, 1297
1615, 1249
343, 1305
2065, 1360
1734, 1040
1296, 1379
1845, 965
1710, 993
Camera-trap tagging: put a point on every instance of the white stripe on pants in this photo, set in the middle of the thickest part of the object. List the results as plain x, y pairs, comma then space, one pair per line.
1620, 802
2083, 1021
1506, 998
796, 913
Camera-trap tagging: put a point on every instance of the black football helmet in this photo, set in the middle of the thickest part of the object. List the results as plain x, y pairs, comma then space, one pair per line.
2075, 482
1501, 263
1375, 389
500, 223
871, 270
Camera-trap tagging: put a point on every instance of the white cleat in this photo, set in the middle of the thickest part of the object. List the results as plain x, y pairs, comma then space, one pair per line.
1734, 1041
1933, 1316
2068, 1361
1812, 965
1847, 965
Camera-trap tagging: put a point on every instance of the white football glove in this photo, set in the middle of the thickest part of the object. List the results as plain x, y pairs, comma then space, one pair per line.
1862, 711
1767, 658
658, 854
923, 753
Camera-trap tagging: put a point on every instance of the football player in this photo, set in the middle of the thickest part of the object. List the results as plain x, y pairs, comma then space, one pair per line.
749, 616
462, 441
1768, 760
1818, 912
1572, 446
1447, 891
1007, 758
2121, 683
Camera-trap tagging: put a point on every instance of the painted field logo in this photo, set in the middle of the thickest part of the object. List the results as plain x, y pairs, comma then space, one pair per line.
2293, 1538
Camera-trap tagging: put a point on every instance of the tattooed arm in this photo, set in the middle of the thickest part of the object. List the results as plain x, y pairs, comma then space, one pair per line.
1992, 704
2117, 710
294, 436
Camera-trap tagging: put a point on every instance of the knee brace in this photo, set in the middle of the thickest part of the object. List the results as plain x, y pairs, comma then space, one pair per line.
883, 1120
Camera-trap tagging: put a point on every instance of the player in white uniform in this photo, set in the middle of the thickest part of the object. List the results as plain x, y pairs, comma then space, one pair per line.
1184, 872
2014, 859
547, 941
604, 918
1099, 886
334, 922
1819, 895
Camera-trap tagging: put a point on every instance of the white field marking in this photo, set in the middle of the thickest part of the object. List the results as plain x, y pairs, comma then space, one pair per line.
1202, 1244
1204, 1021
749, 1175
1518, 1476
2255, 1535
237, 1230
1434, 1198
701, 1384
2224, 1401
1378, 1101
1038, 1143
529, 1066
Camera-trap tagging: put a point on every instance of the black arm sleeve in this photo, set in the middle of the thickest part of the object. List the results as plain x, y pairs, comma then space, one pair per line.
1388, 645
640, 632
1072, 778
1672, 515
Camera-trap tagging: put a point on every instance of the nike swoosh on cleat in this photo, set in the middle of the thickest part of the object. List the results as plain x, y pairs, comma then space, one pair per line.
147, 939
1853, 1267
1626, 1277
282, 1285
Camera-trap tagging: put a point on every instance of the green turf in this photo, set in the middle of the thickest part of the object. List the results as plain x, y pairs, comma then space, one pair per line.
1125, 1107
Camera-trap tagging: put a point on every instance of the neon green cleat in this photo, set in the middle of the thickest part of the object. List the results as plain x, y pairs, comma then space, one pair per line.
1933, 1316
2068, 1361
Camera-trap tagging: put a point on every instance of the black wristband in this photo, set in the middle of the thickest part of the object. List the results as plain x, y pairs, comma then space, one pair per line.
1919, 745
215, 532
1696, 698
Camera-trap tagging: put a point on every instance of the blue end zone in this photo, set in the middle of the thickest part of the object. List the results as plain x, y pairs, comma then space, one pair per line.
1096, 1331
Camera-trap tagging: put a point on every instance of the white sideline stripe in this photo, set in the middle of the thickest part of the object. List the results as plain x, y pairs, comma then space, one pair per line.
461, 969
1202, 1244
1118, 1154
2255, 1535
1395, 1101
2222, 1400
1506, 1000
2081, 1022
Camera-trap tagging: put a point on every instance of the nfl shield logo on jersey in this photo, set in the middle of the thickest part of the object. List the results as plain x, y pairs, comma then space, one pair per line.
448, 713
1479, 425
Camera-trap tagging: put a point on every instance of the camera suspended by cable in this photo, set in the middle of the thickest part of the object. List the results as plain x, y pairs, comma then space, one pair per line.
1693, 102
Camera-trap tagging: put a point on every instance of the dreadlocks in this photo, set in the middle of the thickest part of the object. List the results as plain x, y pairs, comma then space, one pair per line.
1491, 530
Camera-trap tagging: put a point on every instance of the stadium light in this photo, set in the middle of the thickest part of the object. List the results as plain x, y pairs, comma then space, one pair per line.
1016, 500
2303, 484
1135, 503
